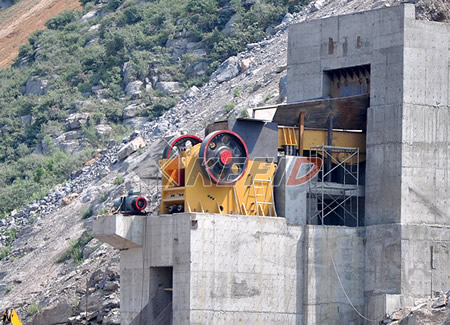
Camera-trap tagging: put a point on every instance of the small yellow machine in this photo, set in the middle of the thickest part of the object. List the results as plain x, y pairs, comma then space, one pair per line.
10, 317
215, 175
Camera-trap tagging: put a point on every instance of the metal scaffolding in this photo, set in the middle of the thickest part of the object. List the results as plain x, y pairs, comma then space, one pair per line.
334, 194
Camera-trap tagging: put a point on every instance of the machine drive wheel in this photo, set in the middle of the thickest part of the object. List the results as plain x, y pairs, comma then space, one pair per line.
178, 144
223, 157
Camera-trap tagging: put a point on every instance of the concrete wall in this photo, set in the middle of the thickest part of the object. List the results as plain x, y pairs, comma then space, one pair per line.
408, 134
426, 124
166, 243
324, 298
376, 38
247, 270
242, 269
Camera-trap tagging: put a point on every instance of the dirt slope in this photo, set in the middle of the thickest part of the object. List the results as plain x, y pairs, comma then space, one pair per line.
22, 19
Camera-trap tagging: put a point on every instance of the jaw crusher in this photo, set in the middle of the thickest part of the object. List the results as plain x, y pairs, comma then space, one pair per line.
219, 174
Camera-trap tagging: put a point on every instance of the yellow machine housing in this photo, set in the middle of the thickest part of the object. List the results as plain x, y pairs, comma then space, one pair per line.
10, 317
184, 184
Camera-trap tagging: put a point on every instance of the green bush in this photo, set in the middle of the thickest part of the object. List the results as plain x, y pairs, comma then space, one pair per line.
62, 20
86, 213
32, 309
118, 180
75, 251
228, 107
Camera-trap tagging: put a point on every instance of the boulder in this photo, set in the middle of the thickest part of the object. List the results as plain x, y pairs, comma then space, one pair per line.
379, 4
76, 120
82, 105
88, 16
94, 28
103, 130
135, 122
27, 119
58, 313
69, 198
287, 18
201, 68
90, 248
93, 302
317, 5
245, 64
70, 146
132, 110
112, 318
170, 87
131, 147
128, 73
227, 70
228, 29
178, 47
190, 93
35, 86
133, 88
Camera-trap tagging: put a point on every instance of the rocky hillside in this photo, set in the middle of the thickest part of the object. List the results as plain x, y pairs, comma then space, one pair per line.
53, 271
98, 73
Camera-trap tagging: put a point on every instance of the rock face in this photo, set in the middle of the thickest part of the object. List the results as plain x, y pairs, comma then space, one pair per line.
27, 119
227, 70
88, 16
131, 147
135, 123
170, 87
103, 130
35, 86
182, 46
132, 110
76, 120
133, 89
58, 313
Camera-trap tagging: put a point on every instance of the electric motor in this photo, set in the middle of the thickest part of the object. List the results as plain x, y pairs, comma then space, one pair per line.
133, 203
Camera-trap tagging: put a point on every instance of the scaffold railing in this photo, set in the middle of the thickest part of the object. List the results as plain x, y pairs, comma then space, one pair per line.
333, 196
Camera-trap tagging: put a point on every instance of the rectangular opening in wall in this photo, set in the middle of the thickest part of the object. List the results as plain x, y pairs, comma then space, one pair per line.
346, 82
161, 288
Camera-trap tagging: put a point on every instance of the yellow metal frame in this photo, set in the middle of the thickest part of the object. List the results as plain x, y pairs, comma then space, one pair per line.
318, 137
183, 182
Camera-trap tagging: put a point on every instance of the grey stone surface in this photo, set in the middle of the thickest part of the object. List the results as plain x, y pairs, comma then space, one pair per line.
76, 120
170, 87
36, 86
133, 110
131, 147
135, 123
227, 70
133, 88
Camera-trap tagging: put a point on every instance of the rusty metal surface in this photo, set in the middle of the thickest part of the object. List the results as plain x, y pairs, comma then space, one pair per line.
347, 112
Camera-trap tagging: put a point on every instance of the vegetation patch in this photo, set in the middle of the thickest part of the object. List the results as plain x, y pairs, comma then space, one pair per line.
32, 309
118, 180
75, 252
11, 234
